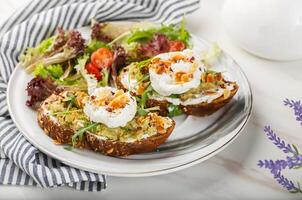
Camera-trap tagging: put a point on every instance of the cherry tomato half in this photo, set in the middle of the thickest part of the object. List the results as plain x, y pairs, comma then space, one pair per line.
102, 58
92, 69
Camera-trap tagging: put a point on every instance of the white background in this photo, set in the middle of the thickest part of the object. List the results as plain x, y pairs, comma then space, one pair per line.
233, 173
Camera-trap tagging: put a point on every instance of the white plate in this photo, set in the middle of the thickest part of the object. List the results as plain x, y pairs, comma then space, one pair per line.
193, 140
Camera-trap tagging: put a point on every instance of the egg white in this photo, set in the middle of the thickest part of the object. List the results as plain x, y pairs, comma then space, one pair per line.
118, 117
128, 83
165, 85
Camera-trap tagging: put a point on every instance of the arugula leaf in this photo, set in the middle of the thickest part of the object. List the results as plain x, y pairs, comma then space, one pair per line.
78, 135
71, 101
174, 110
143, 63
175, 96
145, 111
145, 95
141, 111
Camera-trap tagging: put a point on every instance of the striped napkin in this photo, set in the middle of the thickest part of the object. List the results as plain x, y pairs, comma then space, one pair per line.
20, 162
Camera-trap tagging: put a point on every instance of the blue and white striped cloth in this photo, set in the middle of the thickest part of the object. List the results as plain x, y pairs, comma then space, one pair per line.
20, 162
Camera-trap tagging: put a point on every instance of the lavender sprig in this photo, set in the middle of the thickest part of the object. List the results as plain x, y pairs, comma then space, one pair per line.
274, 166
297, 107
294, 162
286, 148
288, 184
291, 162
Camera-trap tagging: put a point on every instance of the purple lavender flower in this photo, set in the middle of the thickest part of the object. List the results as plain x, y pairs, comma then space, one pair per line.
291, 162
278, 165
286, 148
296, 106
288, 184
273, 166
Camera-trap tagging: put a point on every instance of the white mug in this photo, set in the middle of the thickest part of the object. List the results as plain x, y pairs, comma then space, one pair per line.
270, 29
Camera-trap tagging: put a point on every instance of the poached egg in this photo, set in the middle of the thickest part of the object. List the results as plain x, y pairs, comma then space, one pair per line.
110, 106
175, 72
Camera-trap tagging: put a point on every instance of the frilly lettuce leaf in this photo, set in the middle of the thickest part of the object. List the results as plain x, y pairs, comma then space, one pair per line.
211, 56
53, 71
64, 46
33, 54
171, 31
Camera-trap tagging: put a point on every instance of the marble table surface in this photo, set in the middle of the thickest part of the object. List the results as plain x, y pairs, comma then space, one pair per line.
233, 173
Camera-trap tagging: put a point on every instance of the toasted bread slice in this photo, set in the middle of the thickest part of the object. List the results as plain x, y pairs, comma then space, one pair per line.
196, 109
118, 148
204, 108
60, 133
146, 134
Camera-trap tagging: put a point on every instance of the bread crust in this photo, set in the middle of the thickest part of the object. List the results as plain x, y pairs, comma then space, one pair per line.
62, 134
204, 108
59, 133
121, 149
201, 109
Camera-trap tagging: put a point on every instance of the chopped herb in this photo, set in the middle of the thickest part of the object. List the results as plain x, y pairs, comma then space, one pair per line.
145, 77
143, 63
68, 148
145, 96
174, 110
67, 112
145, 111
78, 135
126, 129
141, 111
175, 96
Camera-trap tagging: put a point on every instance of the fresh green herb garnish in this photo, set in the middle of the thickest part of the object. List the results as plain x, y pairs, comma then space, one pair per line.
142, 110
174, 110
78, 135
70, 100
126, 129
143, 63
175, 96
67, 112
145, 96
